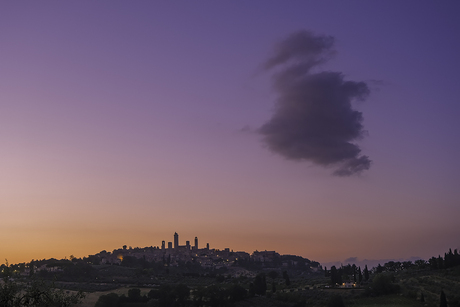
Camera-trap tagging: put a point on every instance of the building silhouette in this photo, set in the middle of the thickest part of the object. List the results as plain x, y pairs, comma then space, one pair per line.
176, 240
176, 246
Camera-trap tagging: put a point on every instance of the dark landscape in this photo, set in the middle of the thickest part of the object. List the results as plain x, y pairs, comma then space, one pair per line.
186, 276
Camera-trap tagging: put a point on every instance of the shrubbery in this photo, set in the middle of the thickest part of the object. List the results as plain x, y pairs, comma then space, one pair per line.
382, 284
36, 293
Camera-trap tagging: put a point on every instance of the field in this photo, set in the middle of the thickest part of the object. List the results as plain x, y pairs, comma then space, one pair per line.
385, 301
412, 284
92, 297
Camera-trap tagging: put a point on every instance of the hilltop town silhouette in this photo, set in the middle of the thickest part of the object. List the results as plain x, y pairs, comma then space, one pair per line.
186, 275
173, 255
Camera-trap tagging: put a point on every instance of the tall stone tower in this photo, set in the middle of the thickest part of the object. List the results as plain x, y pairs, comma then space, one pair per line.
196, 243
176, 240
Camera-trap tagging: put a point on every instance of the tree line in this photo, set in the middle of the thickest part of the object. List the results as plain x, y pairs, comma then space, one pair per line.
352, 273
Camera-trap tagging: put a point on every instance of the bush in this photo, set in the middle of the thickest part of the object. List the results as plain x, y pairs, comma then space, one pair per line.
134, 295
336, 301
37, 293
108, 300
382, 284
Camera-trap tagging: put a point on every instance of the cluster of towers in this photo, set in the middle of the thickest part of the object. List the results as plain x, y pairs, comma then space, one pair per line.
187, 245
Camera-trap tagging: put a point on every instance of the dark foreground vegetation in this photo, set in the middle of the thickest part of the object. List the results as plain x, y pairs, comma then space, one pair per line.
33, 292
137, 283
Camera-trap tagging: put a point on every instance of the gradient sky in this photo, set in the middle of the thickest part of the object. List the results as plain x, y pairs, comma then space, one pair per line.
122, 122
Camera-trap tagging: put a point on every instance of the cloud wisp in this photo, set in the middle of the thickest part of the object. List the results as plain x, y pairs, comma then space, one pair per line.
313, 118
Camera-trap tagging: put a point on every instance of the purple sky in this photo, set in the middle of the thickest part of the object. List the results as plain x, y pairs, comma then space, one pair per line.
122, 122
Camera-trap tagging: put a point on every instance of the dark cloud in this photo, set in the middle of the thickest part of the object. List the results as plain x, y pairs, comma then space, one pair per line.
303, 47
314, 119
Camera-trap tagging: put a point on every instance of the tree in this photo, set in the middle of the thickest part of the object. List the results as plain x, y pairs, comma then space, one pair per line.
336, 301
382, 285
441, 264
31, 268
354, 273
273, 274
22, 267
443, 300
134, 294
334, 276
8, 289
360, 275
181, 293
449, 259
260, 284
36, 293
407, 264
421, 264
286, 278
366, 273
252, 291
339, 276
433, 261
165, 296
237, 293
456, 257
108, 300
213, 296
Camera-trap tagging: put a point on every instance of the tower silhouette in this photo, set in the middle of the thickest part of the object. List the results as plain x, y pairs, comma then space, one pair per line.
176, 240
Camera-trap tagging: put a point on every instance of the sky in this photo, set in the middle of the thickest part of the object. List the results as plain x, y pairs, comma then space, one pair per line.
325, 129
